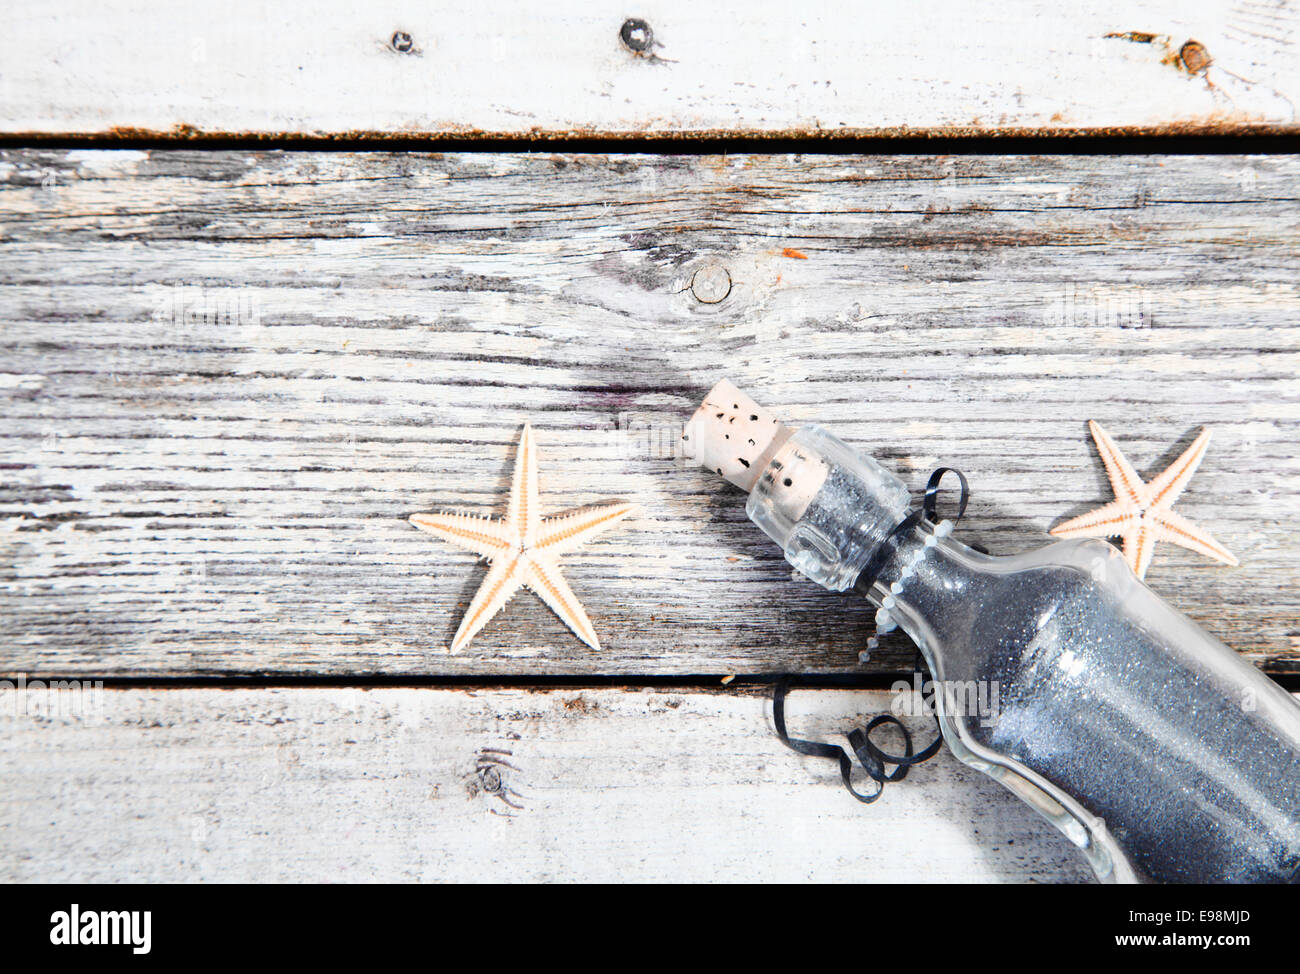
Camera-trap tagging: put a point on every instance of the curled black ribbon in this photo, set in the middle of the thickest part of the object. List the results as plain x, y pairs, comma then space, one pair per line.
887, 548
872, 758
932, 493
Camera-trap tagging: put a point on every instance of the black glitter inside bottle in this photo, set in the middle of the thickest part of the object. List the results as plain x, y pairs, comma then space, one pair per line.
1153, 746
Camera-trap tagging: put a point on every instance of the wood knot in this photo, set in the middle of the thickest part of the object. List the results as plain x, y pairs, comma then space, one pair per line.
489, 777
711, 284
636, 35
490, 780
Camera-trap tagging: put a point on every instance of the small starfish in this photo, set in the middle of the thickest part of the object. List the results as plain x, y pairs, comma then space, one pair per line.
1142, 512
523, 549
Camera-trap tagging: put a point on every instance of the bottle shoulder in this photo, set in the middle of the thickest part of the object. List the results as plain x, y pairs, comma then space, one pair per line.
1093, 557
979, 616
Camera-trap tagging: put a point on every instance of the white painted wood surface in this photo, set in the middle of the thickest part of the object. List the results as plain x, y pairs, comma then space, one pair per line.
385, 785
230, 377
329, 67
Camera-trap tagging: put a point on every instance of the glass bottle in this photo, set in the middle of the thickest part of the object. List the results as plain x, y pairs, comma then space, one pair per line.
1148, 742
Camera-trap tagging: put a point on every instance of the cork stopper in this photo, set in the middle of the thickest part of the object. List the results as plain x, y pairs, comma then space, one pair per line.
734, 435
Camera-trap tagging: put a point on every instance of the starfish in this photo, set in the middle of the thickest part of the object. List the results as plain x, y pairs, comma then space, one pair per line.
523, 549
1142, 512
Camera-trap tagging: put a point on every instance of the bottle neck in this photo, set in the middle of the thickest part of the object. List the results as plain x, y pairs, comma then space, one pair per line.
927, 584
901, 559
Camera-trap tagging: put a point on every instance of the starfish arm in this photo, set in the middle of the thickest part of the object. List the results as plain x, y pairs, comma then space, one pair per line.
545, 579
1177, 529
524, 512
568, 531
470, 532
1111, 521
1123, 478
501, 581
1165, 488
1140, 545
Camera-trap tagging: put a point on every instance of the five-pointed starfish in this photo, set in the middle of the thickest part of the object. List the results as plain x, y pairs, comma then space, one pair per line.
523, 549
1141, 512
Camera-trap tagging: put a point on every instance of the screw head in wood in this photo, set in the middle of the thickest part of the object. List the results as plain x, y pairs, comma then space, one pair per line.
636, 35
403, 43
1194, 56
710, 284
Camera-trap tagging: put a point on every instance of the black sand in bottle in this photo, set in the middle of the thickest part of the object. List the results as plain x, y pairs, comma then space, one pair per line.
1151, 744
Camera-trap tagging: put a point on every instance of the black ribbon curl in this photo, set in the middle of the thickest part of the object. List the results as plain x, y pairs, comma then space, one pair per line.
871, 757
887, 548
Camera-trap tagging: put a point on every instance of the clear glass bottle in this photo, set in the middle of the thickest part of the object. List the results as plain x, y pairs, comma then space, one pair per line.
1151, 744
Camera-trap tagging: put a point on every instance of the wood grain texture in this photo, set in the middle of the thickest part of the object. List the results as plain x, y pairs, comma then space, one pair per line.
350, 785
333, 67
230, 377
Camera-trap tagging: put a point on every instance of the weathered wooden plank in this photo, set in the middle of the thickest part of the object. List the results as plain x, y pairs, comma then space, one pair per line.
229, 377
942, 67
503, 785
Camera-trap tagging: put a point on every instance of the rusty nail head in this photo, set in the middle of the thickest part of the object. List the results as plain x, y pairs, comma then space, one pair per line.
1194, 56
